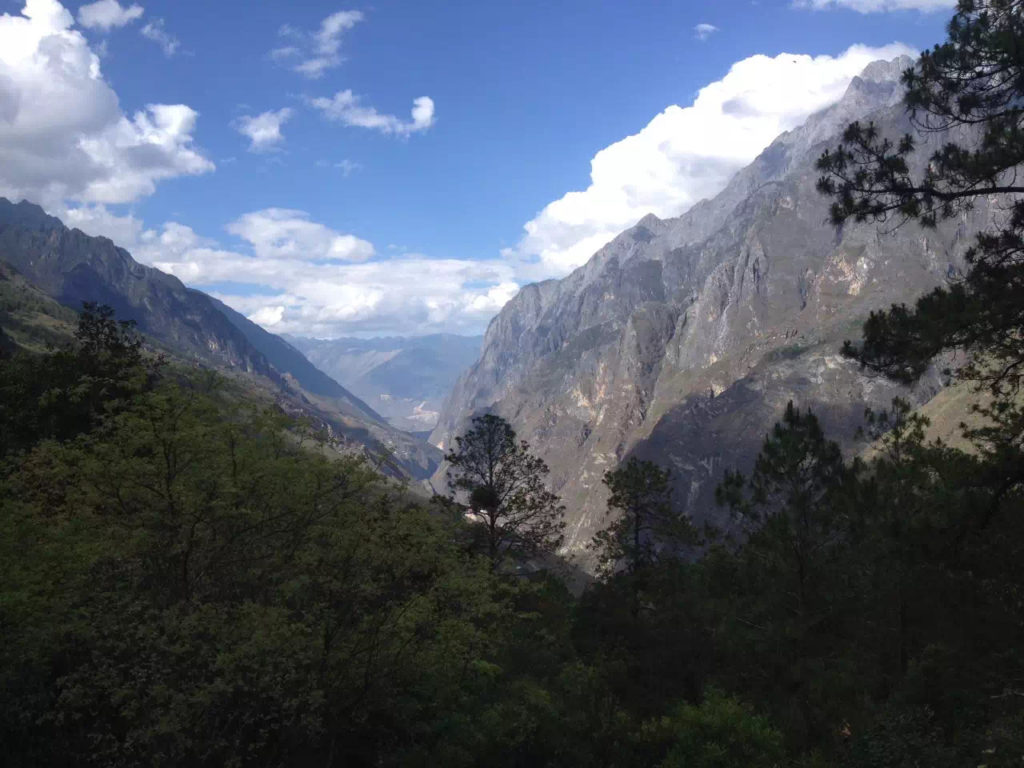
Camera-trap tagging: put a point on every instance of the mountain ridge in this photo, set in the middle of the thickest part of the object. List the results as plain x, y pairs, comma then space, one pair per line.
707, 324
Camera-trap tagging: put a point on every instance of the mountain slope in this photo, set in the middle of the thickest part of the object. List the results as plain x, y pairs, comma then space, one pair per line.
405, 379
30, 319
682, 340
72, 267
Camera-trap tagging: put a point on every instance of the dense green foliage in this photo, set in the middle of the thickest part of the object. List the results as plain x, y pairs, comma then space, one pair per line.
188, 578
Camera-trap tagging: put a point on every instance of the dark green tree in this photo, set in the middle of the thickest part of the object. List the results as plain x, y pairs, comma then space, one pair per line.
787, 505
969, 92
645, 523
503, 484
719, 733
789, 574
68, 392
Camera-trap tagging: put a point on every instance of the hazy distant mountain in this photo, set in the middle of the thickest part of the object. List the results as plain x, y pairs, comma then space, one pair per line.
404, 379
682, 340
72, 267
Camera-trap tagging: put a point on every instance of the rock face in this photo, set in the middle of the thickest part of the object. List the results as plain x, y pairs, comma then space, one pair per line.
682, 340
72, 267
403, 379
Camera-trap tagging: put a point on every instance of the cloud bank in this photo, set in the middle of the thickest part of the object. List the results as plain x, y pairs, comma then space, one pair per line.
303, 277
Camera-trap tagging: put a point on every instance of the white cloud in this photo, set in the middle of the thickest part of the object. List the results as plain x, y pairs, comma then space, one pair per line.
344, 108
411, 295
313, 53
280, 233
878, 6
107, 14
97, 220
62, 133
264, 130
155, 31
686, 154
299, 283
330, 297
268, 316
704, 31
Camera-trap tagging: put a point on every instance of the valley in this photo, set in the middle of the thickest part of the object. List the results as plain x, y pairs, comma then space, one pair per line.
648, 395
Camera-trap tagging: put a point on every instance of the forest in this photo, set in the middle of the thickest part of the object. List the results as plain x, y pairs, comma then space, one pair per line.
189, 578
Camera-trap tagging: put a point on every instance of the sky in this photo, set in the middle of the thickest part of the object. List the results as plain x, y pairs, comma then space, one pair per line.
403, 167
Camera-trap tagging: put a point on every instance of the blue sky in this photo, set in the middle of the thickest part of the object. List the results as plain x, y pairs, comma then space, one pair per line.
346, 214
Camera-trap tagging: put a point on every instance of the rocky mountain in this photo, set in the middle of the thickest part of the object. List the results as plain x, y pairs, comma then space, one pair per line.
682, 340
72, 267
403, 378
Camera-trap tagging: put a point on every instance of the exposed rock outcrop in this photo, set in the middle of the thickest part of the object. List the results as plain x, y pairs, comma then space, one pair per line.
682, 340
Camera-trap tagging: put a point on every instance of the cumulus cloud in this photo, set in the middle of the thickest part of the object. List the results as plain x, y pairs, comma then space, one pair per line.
155, 31
295, 275
62, 133
313, 53
298, 283
878, 6
264, 130
281, 233
686, 154
99, 221
107, 14
704, 31
344, 108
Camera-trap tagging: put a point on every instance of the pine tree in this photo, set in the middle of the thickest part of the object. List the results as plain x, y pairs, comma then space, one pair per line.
971, 85
504, 487
645, 523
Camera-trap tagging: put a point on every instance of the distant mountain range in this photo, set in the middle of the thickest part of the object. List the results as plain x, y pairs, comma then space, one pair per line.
682, 340
72, 267
403, 378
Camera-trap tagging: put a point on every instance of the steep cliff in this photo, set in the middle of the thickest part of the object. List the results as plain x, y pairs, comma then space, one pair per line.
682, 340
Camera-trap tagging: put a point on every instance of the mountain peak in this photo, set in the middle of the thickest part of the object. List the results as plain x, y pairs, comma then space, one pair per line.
887, 71
27, 215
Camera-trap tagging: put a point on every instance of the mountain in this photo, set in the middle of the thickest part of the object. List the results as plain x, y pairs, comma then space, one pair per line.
682, 340
405, 379
71, 267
